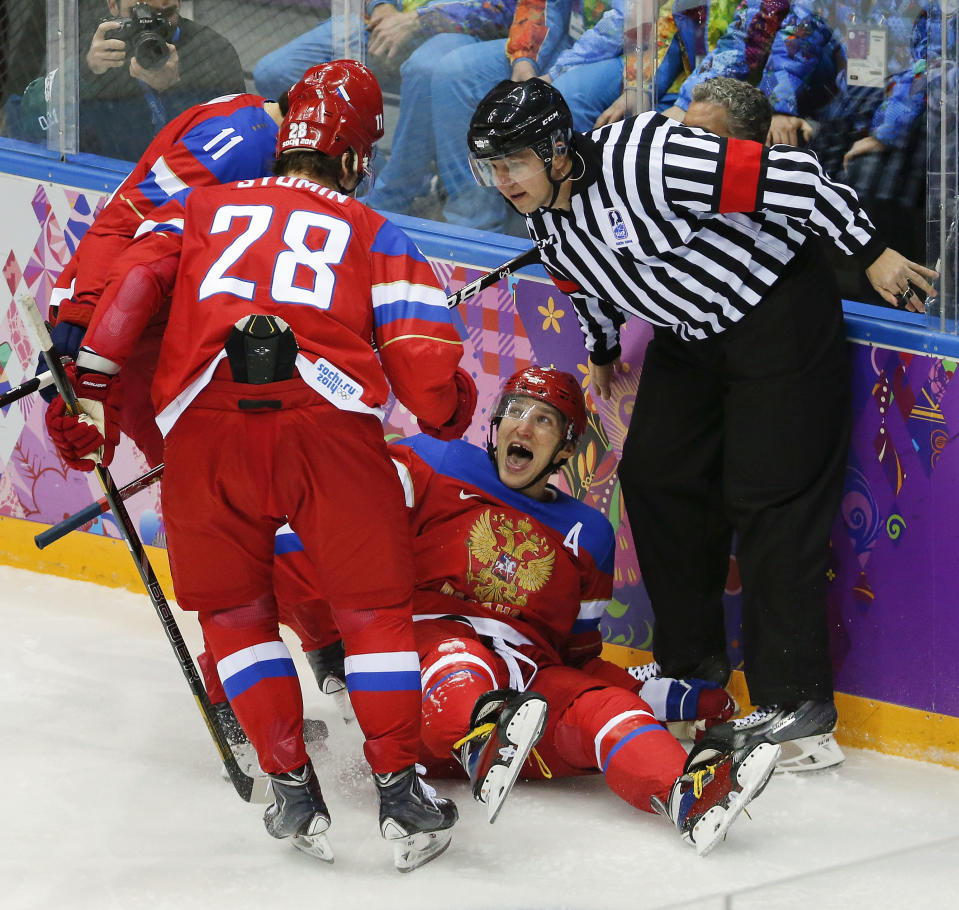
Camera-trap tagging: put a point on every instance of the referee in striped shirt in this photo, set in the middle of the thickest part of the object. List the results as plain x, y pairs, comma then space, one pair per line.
742, 417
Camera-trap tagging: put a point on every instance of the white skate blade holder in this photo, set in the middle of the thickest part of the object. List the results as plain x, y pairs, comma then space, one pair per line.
752, 776
410, 851
523, 732
315, 843
810, 753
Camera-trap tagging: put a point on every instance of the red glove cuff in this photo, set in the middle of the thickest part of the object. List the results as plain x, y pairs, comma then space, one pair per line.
459, 423
77, 313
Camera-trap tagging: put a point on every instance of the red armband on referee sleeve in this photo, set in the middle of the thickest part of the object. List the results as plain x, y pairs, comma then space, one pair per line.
741, 169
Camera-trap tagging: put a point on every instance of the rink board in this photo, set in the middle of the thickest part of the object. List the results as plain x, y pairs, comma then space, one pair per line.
895, 543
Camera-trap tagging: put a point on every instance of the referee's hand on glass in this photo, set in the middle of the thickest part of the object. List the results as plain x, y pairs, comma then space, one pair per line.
896, 280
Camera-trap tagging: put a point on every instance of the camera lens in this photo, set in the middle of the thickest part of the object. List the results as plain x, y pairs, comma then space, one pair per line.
150, 50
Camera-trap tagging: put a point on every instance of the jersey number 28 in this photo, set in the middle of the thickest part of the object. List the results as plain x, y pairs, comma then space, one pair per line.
297, 253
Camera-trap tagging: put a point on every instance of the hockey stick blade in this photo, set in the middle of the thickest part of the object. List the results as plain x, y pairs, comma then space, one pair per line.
530, 257
95, 509
245, 785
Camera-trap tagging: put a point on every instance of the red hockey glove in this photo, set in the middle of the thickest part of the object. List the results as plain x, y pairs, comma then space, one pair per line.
459, 423
90, 437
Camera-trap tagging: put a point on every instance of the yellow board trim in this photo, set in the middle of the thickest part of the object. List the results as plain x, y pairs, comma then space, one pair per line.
864, 723
86, 557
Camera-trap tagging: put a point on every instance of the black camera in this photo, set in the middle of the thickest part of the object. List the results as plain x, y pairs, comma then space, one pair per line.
145, 34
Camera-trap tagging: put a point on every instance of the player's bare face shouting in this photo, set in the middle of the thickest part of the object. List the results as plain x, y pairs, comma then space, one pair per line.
528, 440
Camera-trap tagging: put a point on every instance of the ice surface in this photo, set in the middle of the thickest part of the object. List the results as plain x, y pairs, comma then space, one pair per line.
113, 799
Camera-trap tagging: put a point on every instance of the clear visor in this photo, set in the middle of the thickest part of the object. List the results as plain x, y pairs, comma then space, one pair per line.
539, 413
509, 169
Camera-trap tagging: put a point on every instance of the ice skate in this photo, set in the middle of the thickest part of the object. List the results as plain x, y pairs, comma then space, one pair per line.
506, 725
708, 798
328, 668
413, 818
804, 732
299, 812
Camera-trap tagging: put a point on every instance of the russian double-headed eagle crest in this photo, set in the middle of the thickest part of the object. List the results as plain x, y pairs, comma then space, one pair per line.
510, 562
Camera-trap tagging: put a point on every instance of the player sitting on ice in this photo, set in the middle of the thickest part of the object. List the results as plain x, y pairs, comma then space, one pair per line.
512, 577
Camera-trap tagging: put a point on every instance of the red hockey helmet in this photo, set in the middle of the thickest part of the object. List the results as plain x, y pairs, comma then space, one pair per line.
353, 82
555, 387
326, 122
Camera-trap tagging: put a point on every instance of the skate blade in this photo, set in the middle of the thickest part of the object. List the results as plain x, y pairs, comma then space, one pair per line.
523, 731
811, 753
752, 776
414, 850
316, 845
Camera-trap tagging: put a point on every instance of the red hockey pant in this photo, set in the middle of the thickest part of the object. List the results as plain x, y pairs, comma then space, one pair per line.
592, 726
233, 476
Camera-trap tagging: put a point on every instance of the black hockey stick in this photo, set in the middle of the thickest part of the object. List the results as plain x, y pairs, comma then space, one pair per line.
530, 257
26, 388
252, 789
95, 509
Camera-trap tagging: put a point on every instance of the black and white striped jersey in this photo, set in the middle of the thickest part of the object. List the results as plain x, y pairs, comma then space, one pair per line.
686, 229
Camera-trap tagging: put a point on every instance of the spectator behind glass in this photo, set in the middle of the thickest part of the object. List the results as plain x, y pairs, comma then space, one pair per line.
443, 80
873, 137
393, 29
728, 107
124, 103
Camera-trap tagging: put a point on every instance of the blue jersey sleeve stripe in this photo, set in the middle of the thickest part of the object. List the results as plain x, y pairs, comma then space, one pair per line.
391, 241
248, 677
584, 625
399, 310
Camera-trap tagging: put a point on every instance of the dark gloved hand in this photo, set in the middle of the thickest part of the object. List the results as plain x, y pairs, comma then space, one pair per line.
459, 423
67, 338
90, 437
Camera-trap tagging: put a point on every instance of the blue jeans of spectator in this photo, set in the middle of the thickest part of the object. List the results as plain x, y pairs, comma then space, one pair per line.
278, 70
589, 89
407, 173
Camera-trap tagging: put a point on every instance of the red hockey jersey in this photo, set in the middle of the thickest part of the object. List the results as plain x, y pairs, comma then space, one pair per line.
227, 139
537, 575
341, 275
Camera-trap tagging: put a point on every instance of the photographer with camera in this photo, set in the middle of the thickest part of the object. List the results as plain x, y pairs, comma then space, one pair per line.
144, 65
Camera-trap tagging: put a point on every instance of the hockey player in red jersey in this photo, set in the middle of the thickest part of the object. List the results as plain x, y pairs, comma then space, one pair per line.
269, 394
227, 139
512, 578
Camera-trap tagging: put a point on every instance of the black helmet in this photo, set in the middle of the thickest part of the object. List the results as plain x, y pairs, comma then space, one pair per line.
520, 115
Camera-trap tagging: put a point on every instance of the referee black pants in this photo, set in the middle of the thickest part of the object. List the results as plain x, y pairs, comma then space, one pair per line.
747, 431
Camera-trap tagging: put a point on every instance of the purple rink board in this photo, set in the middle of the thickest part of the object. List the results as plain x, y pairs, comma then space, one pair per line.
895, 548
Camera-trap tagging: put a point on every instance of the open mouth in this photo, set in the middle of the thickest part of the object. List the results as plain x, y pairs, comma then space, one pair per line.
518, 456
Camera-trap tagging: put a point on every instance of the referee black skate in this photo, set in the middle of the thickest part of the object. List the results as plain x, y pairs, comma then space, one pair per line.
742, 419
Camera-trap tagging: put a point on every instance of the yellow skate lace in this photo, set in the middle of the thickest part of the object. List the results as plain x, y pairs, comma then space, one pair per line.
486, 730
698, 779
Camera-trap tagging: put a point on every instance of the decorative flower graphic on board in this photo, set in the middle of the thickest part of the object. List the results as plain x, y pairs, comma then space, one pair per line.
551, 315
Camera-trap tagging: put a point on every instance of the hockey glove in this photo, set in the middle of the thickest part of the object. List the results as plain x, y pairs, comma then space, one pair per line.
688, 699
90, 437
459, 423
67, 338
